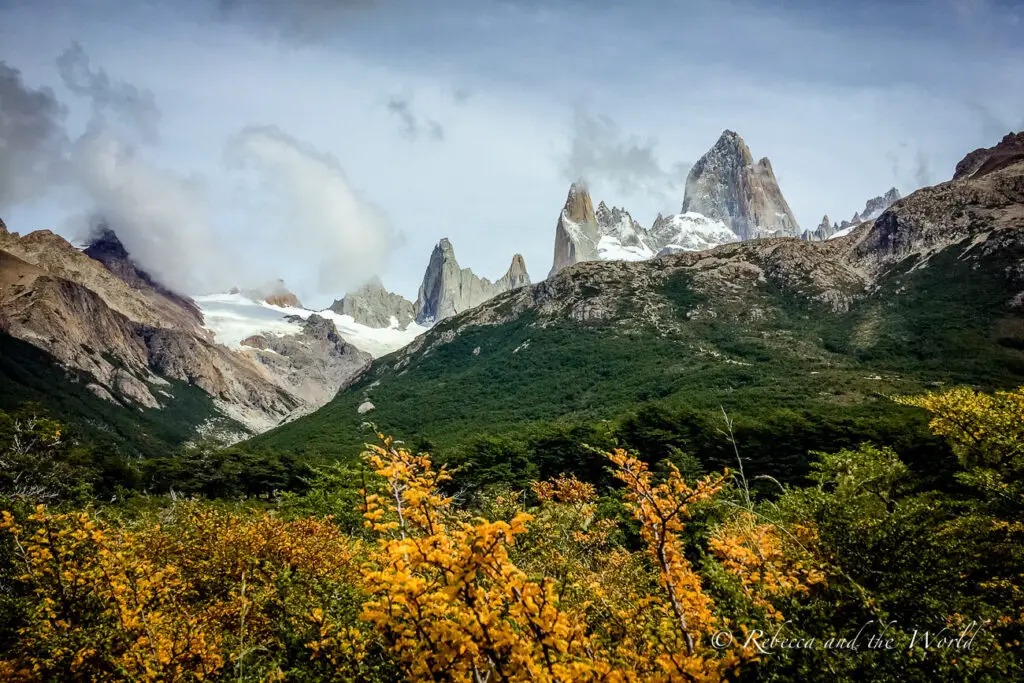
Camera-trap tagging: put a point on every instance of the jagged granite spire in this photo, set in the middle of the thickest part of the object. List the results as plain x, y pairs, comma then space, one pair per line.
821, 233
726, 185
576, 233
448, 289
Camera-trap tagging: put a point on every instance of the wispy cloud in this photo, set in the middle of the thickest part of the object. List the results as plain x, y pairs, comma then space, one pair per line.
331, 227
412, 127
599, 151
131, 106
162, 217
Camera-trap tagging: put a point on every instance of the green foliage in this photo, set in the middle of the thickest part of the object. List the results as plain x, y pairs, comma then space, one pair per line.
41, 460
28, 374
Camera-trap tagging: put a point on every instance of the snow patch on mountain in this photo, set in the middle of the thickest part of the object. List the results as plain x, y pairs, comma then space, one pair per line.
611, 249
234, 317
691, 231
842, 233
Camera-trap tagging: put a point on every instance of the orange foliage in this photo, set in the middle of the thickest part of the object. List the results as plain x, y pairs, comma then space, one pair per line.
540, 596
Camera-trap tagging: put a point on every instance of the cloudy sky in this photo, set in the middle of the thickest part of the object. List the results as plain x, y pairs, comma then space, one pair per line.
236, 141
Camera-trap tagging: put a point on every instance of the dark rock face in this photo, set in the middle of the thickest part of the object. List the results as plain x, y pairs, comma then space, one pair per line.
3, 227
448, 289
985, 160
374, 306
313, 364
106, 248
725, 184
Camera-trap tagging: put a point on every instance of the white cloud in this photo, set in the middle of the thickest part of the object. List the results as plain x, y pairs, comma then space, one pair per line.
327, 225
161, 217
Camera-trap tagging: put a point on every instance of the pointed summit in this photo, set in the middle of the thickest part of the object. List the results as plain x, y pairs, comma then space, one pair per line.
448, 289
821, 233
726, 185
576, 233
516, 275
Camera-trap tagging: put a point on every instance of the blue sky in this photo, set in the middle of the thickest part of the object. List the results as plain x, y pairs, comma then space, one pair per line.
243, 140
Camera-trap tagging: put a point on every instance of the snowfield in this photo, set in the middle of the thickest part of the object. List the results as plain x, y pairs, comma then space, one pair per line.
693, 231
234, 317
611, 249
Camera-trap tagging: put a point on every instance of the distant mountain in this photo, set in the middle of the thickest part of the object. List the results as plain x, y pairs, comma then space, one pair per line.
124, 340
873, 208
726, 185
275, 293
619, 236
689, 232
374, 306
928, 292
449, 289
727, 198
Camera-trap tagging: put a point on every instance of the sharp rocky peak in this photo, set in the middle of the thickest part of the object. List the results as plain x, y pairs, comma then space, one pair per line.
726, 185
578, 206
448, 289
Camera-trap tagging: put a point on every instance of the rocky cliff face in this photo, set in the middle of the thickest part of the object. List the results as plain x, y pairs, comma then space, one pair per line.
374, 306
515, 277
103, 315
312, 365
448, 289
1009, 150
725, 184
576, 233
106, 248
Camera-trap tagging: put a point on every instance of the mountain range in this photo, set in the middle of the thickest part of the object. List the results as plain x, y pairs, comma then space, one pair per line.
931, 292
697, 299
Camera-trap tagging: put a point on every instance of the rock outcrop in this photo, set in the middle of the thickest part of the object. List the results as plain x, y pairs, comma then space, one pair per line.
725, 184
448, 289
106, 248
374, 306
312, 365
576, 233
983, 161
824, 230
